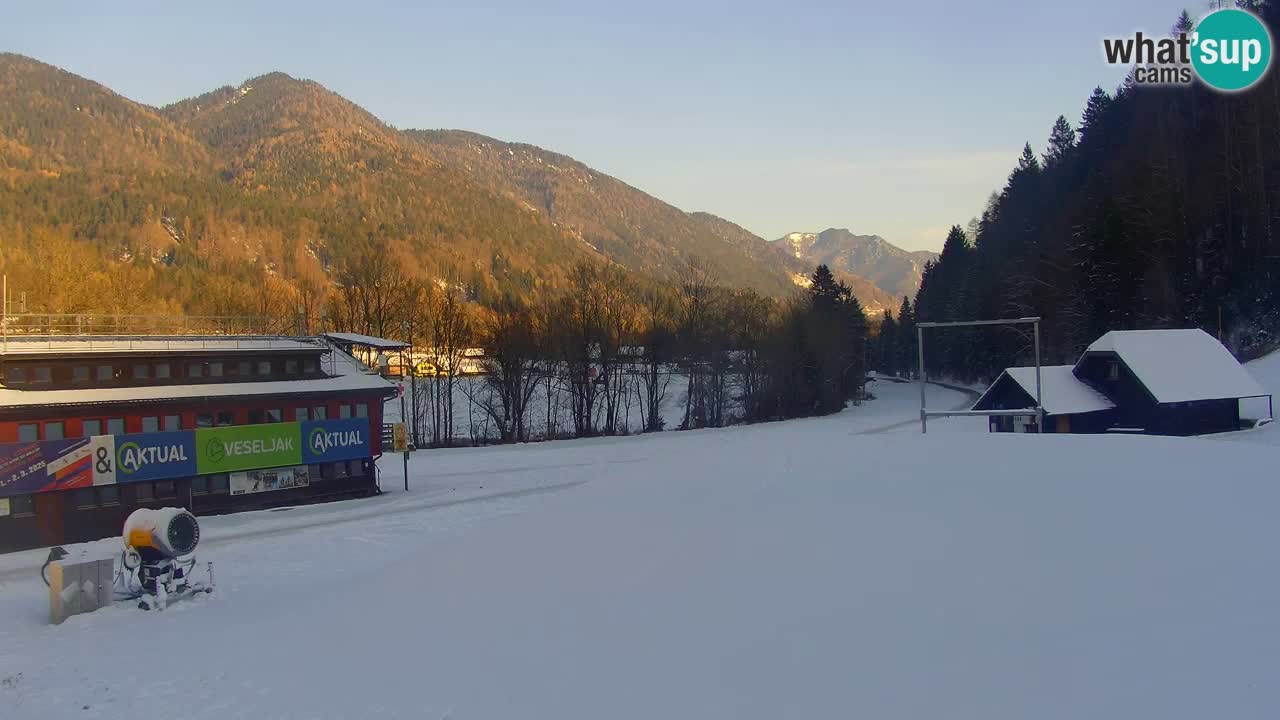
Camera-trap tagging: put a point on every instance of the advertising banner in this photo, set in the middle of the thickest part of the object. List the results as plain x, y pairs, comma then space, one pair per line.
247, 447
332, 440
44, 466
151, 456
139, 457
256, 481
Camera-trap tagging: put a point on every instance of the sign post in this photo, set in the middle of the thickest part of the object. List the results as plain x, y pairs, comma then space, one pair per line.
401, 436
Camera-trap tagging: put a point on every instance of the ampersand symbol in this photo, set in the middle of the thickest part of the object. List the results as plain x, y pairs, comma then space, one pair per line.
103, 465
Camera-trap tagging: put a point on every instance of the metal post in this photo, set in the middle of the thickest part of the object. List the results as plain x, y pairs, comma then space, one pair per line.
406, 452
1039, 400
924, 418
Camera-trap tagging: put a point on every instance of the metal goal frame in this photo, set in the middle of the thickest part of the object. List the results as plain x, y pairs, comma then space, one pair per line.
925, 413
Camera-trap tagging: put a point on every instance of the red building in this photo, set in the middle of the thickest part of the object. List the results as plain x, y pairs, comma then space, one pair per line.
54, 391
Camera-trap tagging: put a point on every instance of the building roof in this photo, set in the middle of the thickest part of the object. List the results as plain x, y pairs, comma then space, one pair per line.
346, 375
1062, 393
183, 344
1179, 365
366, 340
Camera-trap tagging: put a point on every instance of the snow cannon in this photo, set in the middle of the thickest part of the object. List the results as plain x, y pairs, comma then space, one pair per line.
161, 534
158, 560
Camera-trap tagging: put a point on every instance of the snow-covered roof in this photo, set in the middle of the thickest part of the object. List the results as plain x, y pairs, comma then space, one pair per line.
12, 346
1179, 365
1061, 392
367, 340
346, 375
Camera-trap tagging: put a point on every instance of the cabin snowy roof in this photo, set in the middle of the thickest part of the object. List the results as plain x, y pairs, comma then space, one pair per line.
1062, 393
346, 374
367, 340
1179, 365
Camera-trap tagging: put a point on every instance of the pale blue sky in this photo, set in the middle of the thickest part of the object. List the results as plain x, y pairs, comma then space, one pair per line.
884, 117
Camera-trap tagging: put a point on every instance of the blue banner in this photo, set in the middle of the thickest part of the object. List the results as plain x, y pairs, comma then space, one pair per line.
330, 440
155, 456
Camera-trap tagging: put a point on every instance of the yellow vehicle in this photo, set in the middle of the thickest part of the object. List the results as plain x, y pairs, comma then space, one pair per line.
428, 369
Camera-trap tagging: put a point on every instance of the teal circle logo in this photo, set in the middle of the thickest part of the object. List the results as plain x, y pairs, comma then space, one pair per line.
1231, 50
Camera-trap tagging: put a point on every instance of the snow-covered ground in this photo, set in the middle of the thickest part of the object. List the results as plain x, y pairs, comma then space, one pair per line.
831, 567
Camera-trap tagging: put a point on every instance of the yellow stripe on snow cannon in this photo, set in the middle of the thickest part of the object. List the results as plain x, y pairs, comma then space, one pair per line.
162, 533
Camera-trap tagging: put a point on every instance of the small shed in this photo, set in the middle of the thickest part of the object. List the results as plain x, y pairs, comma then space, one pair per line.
1070, 405
1158, 382
1169, 382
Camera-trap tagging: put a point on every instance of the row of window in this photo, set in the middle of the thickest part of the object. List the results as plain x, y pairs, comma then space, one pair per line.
42, 375
57, 429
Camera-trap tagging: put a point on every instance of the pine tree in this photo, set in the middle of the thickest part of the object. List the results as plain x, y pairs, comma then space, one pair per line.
1062, 140
887, 345
906, 337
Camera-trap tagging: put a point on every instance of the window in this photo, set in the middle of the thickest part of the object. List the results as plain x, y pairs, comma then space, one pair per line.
15, 376
339, 469
42, 375
28, 432
89, 428
55, 430
264, 367
84, 499
162, 371
320, 413
108, 495
143, 492
226, 417
200, 485
204, 420
220, 483
244, 368
275, 415
291, 367
195, 370
357, 467
344, 411
172, 423
141, 372
115, 426
362, 410
256, 417
215, 369
166, 489
105, 372
21, 505
309, 366
300, 414
150, 424
80, 373
1113, 370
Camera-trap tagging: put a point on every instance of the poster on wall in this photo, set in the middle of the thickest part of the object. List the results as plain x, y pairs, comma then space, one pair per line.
45, 466
333, 440
245, 447
256, 481
153, 456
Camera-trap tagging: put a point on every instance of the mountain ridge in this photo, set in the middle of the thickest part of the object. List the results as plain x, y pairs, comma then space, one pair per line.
282, 175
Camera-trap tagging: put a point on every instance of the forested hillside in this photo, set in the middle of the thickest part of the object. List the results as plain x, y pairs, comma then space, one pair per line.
253, 200
1160, 208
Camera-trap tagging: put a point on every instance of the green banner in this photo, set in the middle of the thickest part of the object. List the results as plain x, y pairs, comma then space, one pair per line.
248, 447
